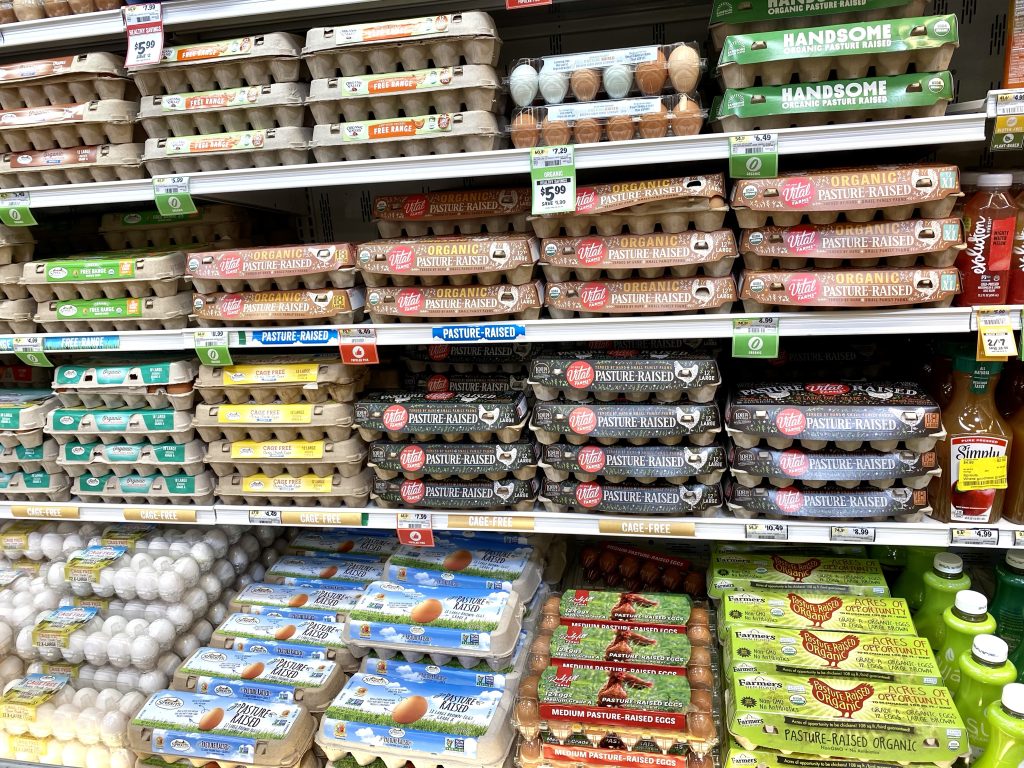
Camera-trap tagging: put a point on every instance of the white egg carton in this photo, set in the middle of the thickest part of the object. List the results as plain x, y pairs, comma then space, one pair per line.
285, 378
113, 426
283, 268
74, 165
149, 313
113, 275
88, 123
241, 61
35, 486
41, 458
409, 44
32, 10
160, 384
305, 491
23, 414
17, 316
123, 459
158, 489
257, 107
210, 224
228, 151
342, 306
64, 80
274, 421
467, 212
344, 458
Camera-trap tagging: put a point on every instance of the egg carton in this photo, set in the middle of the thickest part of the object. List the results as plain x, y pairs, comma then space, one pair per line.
676, 464
464, 383
641, 208
596, 298
35, 486
437, 134
631, 498
467, 212
466, 303
274, 421
17, 316
286, 379
899, 244
16, 247
467, 358
893, 193
23, 414
65, 80
309, 760
607, 423
296, 458
342, 306
146, 314
32, 10
148, 229
541, 755
42, 458
452, 494
228, 151
71, 125
408, 44
120, 425
241, 61
74, 165
830, 502
439, 460
263, 633
446, 415
284, 268
257, 107
286, 490
164, 384
848, 288
113, 275
123, 459
155, 488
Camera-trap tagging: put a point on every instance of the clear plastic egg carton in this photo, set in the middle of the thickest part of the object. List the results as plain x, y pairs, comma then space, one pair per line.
41, 458
160, 384
149, 313
89, 123
35, 486
120, 425
298, 458
23, 414
483, 418
274, 421
408, 44
284, 268
148, 229
830, 502
304, 491
257, 107
467, 212
341, 306
16, 247
114, 275
287, 379
74, 165
579, 422
32, 10
155, 488
597, 298
617, 463
465, 303
72, 79
123, 459
36, 540
224, 64
228, 151
468, 358
17, 316
427, 493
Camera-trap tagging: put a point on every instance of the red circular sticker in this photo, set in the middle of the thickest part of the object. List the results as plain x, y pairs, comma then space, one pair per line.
413, 491
591, 251
794, 463
789, 500
580, 374
791, 421
400, 258
229, 265
826, 389
409, 301
395, 418
438, 352
412, 458
582, 420
589, 495
591, 458
594, 295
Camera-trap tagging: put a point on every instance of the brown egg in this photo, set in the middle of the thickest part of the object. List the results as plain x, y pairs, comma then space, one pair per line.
629, 566
409, 710
620, 128
672, 578
651, 572
588, 556
297, 601
700, 636
684, 68
285, 632
651, 76
693, 760
609, 561
528, 687
253, 671
587, 131
538, 663
701, 700
525, 130
700, 677
687, 117
427, 611
548, 623
654, 125
698, 616
530, 750
345, 546
585, 84
701, 726
613, 579
700, 657
211, 719
555, 134
329, 571
527, 713
693, 584
459, 560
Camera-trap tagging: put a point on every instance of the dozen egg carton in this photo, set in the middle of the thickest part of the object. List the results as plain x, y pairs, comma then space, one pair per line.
32, 10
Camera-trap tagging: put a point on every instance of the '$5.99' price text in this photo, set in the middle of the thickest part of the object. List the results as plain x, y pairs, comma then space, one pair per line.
552, 190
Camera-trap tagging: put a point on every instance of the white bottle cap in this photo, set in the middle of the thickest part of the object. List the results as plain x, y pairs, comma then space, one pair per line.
995, 180
948, 563
1015, 559
970, 602
990, 649
1013, 697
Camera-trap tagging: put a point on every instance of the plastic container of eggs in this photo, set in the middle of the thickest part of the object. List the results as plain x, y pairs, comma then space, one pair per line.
44, 540
653, 117
650, 70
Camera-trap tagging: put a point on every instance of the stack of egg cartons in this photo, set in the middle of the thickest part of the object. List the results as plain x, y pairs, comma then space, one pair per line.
279, 431
17, 308
407, 87
31, 10
68, 120
614, 95
235, 103
221, 224
28, 458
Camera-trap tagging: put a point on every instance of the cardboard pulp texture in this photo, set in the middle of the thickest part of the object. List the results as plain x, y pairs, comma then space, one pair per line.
17, 458
35, 486
123, 459
443, 460
228, 151
282, 268
467, 358
31, 10
467, 212
643, 463
296, 458
149, 313
799, 609
258, 107
155, 489
283, 636
16, 247
508, 493
286, 490
70, 125
840, 575
630, 497
64, 80
210, 224
163, 384
120, 425
465, 303
830, 502
74, 165
23, 414
847, 469
17, 316
288, 379
482, 418
113, 275
635, 423
274, 421
739, 757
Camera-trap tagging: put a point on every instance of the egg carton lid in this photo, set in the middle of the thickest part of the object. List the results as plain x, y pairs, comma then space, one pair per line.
33, 482
246, 97
266, 140
319, 602
278, 305
730, 12
274, 414
17, 310
300, 569
113, 266
625, 371
413, 411
143, 454
308, 760
452, 494
687, 193
305, 452
144, 220
421, 127
271, 261
449, 302
16, 235
96, 375
454, 254
25, 409
96, 421
195, 487
474, 566
396, 84
99, 156
78, 67
271, 45
332, 486
273, 371
126, 310
452, 205
283, 635
111, 111
631, 497
400, 32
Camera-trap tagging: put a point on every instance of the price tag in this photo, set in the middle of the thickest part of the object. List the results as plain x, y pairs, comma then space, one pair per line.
212, 347
358, 346
172, 196
766, 531
415, 529
29, 349
982, 473
1018, 538
1010, 103
145, 28
264, 517
996, 341
974, 537
553, 178
754, 155
14, 210
854, 534
756, 338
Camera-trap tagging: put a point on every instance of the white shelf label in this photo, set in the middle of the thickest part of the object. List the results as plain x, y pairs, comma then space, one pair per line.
264, 517
766, 531
145, 28
856, 534
974, 537
1018, 538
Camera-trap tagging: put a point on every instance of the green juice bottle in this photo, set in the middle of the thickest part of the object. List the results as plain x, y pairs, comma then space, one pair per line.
964, 620
1005, 720
910, 584
941, 584
985, 673
1008, 603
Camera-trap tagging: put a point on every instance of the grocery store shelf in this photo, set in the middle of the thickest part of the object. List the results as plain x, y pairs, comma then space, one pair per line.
107, 513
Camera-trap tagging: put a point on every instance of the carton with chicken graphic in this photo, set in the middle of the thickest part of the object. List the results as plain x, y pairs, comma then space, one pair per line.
771, 572
846, 718
800, 609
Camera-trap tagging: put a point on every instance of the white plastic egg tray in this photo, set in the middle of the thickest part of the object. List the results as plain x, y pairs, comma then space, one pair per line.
89, 123
35, 540
228, 151
306, 491
132, 385
31, 10
281, 268
210, 224
275, 421
75, 165
123, 459
156, 489
35, 486
287, 379
257, 107
344, 458
25, 413
42, 458
17, 316
241, 61
146, 314
114, 275
343, 306
113, 426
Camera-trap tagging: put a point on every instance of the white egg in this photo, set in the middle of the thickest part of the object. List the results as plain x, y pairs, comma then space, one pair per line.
203, 630
15, 726
42, 725
218, 541
216, 614
87, 727
134, 609
127, 680
144, 652
151, 682
72, 542
122, 758
204, 555
225, 572
171, 586
238, 558
141, 545
522, 85
256, 572
11, 667
108, 700
137, 628
98, 756
162, 630
269, 557
163, 563
105, 586
158, 546
87, 672
119, 650
96, 645
618, 81
105, 677
155, 610
73, 755
178, 549
65, 714
115, 606
64, 528
75, 652
6, 638
113, 625
265, 534
85, 697
211, 585
189, 571
250, 544
46, 600
147, 584
51, 654
168, 663
196, 600
52, 546
141, 560
81, 588
186, 645
21, 598
113, 728
180, 616
553, 86
124, 583
242, 582
131, 703
34, 551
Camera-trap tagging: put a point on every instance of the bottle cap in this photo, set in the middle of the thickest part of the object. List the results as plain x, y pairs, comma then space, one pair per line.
1015, 559
948, 563
970, 602
990, 649
969, 178
995, 180
1013, 697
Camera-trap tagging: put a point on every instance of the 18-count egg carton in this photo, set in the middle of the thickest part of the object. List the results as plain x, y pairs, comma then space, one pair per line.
342, 306
148, 229
90, 123
467, 303
161, 384
467, 212
288, 268
256, 107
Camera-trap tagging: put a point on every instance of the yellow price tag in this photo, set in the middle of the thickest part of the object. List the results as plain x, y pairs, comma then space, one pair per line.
996, 340
978, 474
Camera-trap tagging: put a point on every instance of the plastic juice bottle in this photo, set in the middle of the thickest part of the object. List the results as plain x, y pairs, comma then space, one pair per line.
990, 219
1008, 605
1017, 254
977, 434
941, 584
985, 672
1005, 721
910, 584
964, 620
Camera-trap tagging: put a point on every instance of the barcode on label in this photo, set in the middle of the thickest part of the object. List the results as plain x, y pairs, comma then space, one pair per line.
553, 163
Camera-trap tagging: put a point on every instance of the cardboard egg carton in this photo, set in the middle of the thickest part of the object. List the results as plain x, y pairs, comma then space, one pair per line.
70, 125
35, 486
641, 208
830, 502
297, 458
257, 107
890, 192
464, 383
74, 165
456, 260
123, 459
467, 358
156, 488
439, 460
228, 151
596, 298
287, 379
427, 493
305, 491
764, 465
10, 282
42, 458
241, 61
539, 755
32, 10
433, 134
342, 306
66, 80
579, 422
166, 384
114, 275
148, 229
16, 247
132, 426
467, 212
23, 414
146, 314
676, 464
17, 316
408, 44
466, 303
449, 416
930, 242
284, 268
274, 421
630, 497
